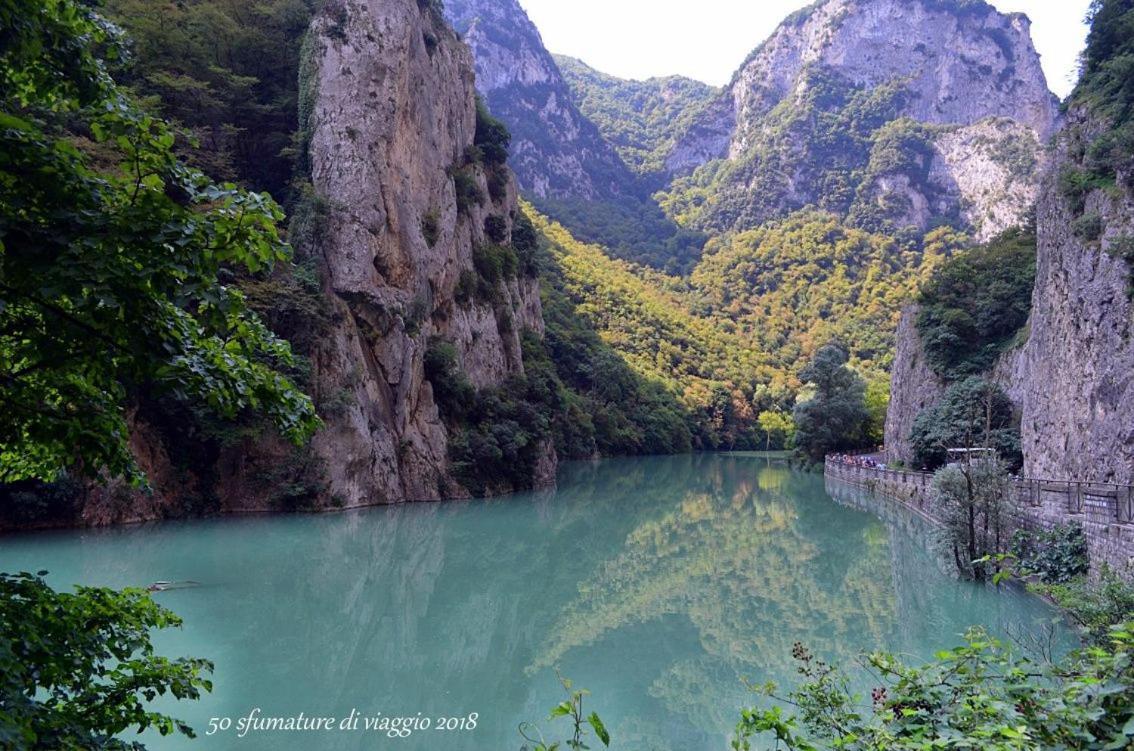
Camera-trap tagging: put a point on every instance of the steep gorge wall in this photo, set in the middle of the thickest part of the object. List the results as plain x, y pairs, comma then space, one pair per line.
390, 112
1076, 372
394, 115
1073, 380
914, 387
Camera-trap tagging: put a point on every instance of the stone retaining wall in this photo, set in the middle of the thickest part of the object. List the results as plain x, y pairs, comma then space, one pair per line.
1104, 511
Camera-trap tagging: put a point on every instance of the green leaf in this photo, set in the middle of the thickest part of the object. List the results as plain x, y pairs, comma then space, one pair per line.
599, 728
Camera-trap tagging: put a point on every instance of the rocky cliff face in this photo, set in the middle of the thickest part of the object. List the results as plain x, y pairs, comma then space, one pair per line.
394, 117
391, 115
1073, 380
556, 151
914, 387
967, 73
1077, 368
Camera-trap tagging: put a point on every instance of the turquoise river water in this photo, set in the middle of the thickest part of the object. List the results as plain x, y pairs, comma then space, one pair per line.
660, 584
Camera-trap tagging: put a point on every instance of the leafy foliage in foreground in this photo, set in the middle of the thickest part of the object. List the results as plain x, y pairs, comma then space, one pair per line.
582, 725
980, 695
975, 303
111, 257
1096, 605
77, 669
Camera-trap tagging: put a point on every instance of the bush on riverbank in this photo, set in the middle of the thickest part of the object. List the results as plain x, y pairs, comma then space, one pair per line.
980, 695
1096, 605
1056, 556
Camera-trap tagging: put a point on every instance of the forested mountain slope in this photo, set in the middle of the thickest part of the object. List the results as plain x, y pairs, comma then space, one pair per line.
641, 119
562, 162
891, 114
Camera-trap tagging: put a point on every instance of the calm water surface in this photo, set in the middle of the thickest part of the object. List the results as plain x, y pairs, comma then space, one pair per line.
660, 584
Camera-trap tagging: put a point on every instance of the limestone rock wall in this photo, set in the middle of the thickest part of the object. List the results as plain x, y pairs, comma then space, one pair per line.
962, 65
913, 388
969, 78
1077, 369
394, 115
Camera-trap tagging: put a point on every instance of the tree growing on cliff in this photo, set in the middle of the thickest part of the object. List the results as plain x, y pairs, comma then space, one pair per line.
113, 260
976, 302
974, 413
835, 418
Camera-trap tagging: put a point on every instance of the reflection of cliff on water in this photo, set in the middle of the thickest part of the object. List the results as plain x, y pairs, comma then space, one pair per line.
658, 583
921, 571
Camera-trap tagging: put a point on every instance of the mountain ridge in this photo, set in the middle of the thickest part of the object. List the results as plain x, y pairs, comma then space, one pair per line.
801, 120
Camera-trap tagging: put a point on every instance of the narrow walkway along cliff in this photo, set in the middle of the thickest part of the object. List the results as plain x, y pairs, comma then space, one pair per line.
1105, 512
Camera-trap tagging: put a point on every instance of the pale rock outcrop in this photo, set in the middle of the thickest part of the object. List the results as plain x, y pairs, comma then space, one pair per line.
394, 114
1077, 368
983, 176
961, 66
970, 74
990, 171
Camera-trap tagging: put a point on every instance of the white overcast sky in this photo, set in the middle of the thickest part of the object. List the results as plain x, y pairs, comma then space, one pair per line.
708, 39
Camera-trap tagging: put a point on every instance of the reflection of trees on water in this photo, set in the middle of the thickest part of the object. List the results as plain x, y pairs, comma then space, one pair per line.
933, 603
659, 583
755, 561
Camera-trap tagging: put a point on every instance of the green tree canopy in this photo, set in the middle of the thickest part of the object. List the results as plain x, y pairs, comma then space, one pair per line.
113, 260
976, 302
836, 417
75, 668
778, 429
973, 413
228, 72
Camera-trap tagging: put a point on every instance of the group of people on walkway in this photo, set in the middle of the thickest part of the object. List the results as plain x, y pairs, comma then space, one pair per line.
867, 462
